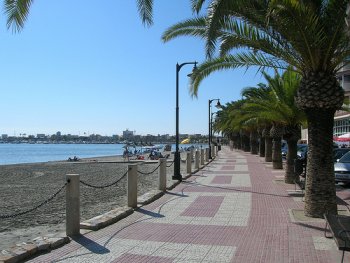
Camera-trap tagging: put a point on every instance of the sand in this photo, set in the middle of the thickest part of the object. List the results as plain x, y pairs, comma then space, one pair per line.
25, 186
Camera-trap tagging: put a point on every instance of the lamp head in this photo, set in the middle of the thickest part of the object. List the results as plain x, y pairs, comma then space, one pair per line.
193, 70
218, 105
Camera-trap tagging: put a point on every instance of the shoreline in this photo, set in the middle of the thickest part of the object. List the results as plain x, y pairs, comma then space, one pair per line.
22, 186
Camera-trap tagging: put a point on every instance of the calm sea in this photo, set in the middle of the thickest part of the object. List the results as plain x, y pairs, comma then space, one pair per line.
33, 153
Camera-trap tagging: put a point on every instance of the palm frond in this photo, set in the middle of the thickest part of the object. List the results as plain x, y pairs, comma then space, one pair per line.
17, 12
145, 8
239, 60
191, 27
197, 5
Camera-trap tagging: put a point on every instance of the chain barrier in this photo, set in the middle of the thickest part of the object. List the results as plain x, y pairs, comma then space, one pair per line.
149, 172
170, 164
103, 186
36, 207
183, 160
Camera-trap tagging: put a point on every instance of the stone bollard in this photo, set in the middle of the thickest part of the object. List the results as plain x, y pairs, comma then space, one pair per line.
73, 205
207, 155
216, 150
162, 174
202, 157
189, 162
231, 145
212, 152
132, 185
196, 164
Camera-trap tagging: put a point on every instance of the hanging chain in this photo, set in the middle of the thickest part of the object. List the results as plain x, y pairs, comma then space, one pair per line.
36, 207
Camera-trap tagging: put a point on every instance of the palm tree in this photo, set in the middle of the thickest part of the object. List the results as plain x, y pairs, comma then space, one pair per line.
228, 123
310, 36
278, 106
261, 104
17, 12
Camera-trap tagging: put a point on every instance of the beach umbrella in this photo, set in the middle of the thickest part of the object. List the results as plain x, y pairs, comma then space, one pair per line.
185, 141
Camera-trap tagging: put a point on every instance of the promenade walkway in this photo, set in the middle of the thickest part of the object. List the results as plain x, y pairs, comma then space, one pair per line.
236, 209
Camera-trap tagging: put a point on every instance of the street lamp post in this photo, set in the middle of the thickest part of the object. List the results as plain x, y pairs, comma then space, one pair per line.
177, 175
218, 105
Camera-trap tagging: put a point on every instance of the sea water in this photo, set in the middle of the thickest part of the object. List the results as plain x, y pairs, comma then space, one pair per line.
33, 153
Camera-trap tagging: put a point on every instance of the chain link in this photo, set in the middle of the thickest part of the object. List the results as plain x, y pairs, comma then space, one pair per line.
149, 172
170, 164
36, 207
103, 186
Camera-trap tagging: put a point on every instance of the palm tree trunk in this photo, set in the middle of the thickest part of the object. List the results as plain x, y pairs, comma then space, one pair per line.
253, 143
290, 176
320, 195
277, 153
268, 149
261, 146
246, 144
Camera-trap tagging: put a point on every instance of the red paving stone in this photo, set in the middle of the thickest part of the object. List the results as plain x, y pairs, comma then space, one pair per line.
222, 179
269, 235
204, 206
131, 258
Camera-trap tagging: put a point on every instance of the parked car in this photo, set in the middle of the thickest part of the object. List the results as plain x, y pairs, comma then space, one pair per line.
339, 152
342, 169
301, 151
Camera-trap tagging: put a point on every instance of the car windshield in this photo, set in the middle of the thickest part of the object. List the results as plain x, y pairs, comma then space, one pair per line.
302, 148
345, 158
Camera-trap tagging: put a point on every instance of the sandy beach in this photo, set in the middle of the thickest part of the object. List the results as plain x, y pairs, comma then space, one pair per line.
25, 186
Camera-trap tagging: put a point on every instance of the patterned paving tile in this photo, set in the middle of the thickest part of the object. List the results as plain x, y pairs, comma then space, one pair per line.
131, 258
204, 206
221, 179
238, 180
133, 251
173, 211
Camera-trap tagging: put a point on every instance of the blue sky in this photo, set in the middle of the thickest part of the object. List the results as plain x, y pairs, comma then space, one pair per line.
92, 67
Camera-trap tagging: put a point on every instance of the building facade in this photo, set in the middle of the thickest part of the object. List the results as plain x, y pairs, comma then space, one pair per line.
342, 118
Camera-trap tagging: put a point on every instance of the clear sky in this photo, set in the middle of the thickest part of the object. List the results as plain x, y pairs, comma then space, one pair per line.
93, 67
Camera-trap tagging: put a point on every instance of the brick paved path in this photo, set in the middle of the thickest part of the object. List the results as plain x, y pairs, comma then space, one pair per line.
237, 209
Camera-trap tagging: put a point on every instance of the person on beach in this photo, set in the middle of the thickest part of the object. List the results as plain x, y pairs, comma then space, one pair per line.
126, 154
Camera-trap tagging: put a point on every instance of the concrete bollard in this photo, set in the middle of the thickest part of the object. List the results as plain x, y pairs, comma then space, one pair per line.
73, 205
189, 162
231, 145
132, 185
162, 174
216, 150
213, 151
196, 164
202, 157
207, 155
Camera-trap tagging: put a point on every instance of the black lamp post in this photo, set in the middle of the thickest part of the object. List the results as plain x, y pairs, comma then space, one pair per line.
218, 105
177, 175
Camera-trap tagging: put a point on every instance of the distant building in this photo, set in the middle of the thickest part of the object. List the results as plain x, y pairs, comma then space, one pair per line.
4, 136
40, 136
115, 137
127, 135
58, 134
